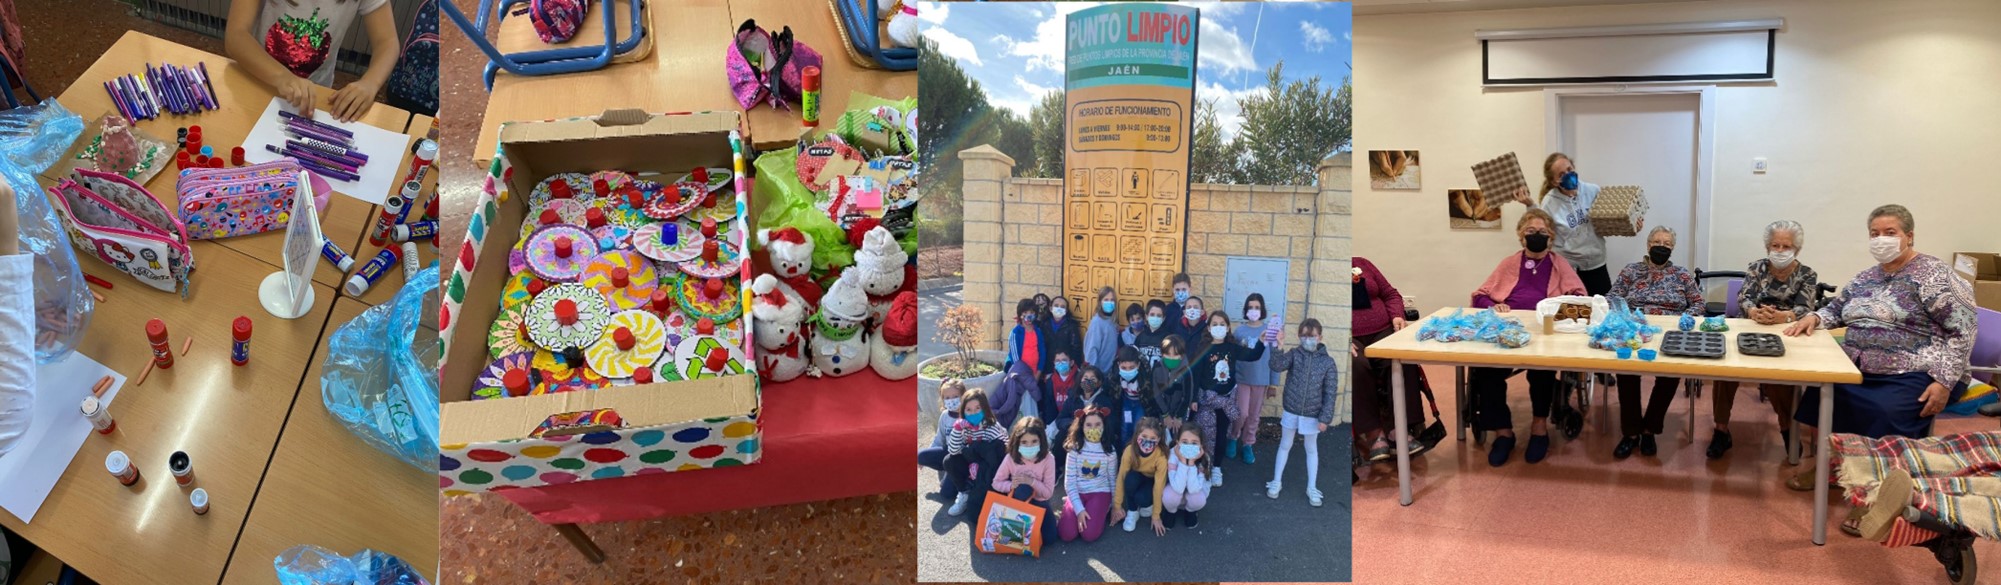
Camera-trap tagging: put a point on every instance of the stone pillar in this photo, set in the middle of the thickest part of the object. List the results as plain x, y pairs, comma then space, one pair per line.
987, 171
1329, 282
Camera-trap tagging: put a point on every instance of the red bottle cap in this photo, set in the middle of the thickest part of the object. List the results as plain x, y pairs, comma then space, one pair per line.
516, 381
566, 312
809, 78
624, 338
709, 250
241, 329
712, 288
634, 196
549, 216
673, 195
201, 160
560, 189
643, 375
236, 156
594, 218
536, 286
183, 156
709, 200
718, 358
156, 331
709, 227
701, 175
194, 130
564, 247
600, 187
215, 162
620, 277
660, 301
706, 326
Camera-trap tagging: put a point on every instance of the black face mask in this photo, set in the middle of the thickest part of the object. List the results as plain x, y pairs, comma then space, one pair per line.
1536, 242
1659, 254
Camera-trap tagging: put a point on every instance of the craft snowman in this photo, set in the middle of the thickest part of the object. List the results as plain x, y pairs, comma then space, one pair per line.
893, 348
879, 266
778, 317
792, 261
839, 346
902, 19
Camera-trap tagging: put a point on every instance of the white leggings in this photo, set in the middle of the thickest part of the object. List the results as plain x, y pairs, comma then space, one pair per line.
1289, 425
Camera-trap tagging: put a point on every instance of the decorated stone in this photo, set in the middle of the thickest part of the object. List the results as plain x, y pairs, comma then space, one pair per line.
718, 261
718, 178
680, 327
506, 335
674, 201
650, 241
550, 364
558, 253
494, 381
625, 278
635, 339
566, 316
703, 357
559, 186
717, 299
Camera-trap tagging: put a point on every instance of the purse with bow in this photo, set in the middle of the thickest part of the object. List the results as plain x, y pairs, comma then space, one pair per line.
767, 67
117, 221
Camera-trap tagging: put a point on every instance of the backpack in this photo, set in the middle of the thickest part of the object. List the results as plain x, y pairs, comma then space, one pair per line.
413, 84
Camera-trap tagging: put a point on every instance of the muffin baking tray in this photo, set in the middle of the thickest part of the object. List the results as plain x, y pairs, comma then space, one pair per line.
1762, 344
1692, 344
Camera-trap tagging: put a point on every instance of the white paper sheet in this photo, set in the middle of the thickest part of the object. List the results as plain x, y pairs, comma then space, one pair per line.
29, 471
385, 149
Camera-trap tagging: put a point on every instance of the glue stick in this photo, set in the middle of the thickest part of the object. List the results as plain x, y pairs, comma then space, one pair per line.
391, 209
239, 332
335, 255
410, 266
358, 284
156, 334
809, 96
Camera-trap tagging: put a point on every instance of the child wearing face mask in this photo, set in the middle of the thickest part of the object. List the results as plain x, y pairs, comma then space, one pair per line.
976, 439
1312, 384
1173, 386
1215, 380
1065, 333
1142, 477
1055, 388
1132, 389
1101, 338
1094, 391
1187, 482
1191, 323
1152, 330
950, 392
1253, 382
1029, 342
1135, 321
1028, 472
1183, 289
1090, 476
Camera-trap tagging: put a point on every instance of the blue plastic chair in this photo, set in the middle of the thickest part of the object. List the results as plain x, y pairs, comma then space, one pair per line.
548, 61
7, 75
858, 16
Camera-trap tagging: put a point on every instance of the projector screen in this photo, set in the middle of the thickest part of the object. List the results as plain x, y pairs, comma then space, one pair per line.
1646, 58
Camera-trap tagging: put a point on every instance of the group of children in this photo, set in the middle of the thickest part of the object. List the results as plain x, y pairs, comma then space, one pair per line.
1180, 393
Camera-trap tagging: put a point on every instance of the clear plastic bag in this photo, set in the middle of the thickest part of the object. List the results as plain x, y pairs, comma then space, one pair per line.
31, 139
312, 565
380, 378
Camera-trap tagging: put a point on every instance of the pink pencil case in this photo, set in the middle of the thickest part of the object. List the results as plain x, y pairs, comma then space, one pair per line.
117, 221
240, 201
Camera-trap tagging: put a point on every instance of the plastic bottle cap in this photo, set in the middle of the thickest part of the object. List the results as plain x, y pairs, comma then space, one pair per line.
701, 175
710, 249
620, 277
706, 326
116, 462
809, 78
594, 217
208, 151
536, 286
709, 227
241, 328
566, 312
718, 358
712, 288
516, 382
198, 498
709, 200
673, 195
661, 302
90, 405
156, 330
195, 129
564, 247
549, 216
601, 187
623, 336
670, 235
643, 375
634, 196
560, 189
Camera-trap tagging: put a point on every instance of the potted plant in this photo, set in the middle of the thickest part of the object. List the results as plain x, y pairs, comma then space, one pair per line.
963, 327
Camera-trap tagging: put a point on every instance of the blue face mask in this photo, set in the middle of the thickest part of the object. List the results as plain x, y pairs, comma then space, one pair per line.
1181, 296
1063, 368
976, 418
1153, 322
1569, 181
1128, 375
1190, 450
1109, 306
1030, 451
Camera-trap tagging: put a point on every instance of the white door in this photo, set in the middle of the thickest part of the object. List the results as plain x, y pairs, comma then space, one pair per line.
1640, 139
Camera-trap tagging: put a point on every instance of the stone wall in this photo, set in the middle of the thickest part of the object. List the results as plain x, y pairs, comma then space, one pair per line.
1014, 235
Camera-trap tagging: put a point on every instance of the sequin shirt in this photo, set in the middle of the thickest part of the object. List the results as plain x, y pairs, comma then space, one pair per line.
1920, 319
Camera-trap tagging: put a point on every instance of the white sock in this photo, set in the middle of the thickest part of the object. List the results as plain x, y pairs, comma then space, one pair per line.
1312, 462
1284, 448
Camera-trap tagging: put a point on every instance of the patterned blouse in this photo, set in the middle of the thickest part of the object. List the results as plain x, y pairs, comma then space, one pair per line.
1920, 319
1664, 290
1795, 294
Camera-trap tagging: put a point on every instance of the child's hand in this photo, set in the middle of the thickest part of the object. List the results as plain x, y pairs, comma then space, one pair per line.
1118, 514
299, 92
354, 100
1158, 528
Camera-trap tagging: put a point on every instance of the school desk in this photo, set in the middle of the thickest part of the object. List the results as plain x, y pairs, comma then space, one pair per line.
243, 99
685, 72
1812, 360
325, 487
224, 416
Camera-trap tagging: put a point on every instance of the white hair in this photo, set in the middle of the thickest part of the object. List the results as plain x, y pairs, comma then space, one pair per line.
1661, 228
1786, 225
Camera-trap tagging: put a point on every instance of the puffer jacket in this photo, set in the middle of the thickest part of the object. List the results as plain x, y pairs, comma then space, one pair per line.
1312, 384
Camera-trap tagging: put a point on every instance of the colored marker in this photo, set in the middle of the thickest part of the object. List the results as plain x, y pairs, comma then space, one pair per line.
358, 284
239, 333
156, 334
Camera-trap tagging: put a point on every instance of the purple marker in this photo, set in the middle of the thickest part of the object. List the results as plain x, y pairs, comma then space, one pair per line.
327, 150
117, 102
133, 94
330, 172
340, 149
304, 131
322, 159
208, 90
194, 82
318, 124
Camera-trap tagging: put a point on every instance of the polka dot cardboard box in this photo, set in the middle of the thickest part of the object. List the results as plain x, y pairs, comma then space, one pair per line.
620, 430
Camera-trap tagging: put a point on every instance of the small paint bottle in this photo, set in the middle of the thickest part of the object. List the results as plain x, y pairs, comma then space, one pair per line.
182, 467
99, 415
809, 96
239, 333
156, 334
199, 499
121, 467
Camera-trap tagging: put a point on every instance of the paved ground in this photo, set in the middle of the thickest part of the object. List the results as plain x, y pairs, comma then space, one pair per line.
1244, 536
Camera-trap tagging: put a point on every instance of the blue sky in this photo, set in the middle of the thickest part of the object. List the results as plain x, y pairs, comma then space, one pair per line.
1015, 49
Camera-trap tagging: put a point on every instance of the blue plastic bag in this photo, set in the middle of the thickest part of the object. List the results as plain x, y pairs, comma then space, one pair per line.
311, 565
33, 138
380, 378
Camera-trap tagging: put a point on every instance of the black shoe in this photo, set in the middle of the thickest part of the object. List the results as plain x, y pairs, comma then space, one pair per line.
1572, 422
1647, 446
1625, 447
1719, 444
1168, 518
1192, 520
1498, 455
1538, 449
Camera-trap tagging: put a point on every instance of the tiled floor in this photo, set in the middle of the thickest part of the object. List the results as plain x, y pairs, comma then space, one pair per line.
1581, 516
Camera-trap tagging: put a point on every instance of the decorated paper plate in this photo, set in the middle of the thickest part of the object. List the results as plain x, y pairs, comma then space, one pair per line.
702, 357
506, 336
638, 282
551, 365
674, 201
549, 258
723, 211
694, 297
643, 339
516, 292
586, 312
492, 381
568, 211
575, 380
725, 265
613, 236
814, 160
647, 240
614, 181
576, 184
680, 326
718, 178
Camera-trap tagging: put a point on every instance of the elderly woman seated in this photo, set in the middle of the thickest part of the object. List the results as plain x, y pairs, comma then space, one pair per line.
1910, 327
1777, 289
1655, 286
1523, 279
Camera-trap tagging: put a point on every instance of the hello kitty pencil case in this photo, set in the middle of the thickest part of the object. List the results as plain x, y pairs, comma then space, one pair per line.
117, 221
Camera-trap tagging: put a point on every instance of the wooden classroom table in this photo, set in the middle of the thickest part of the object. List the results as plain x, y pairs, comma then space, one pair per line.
386, 288
685, 71
325, 487
1812, 360
243, 99
225, 417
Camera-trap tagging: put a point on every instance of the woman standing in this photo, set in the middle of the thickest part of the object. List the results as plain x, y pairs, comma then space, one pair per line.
1378, 313
1253, 383
1522, 280
1777, 289
1568, 202
1654, 286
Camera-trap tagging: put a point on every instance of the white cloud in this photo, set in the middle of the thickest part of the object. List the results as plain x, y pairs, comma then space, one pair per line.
1020, 106
1316, 38
933, 12
1223, 51
1044, 50
954, 46
1031, 87
1228, 114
